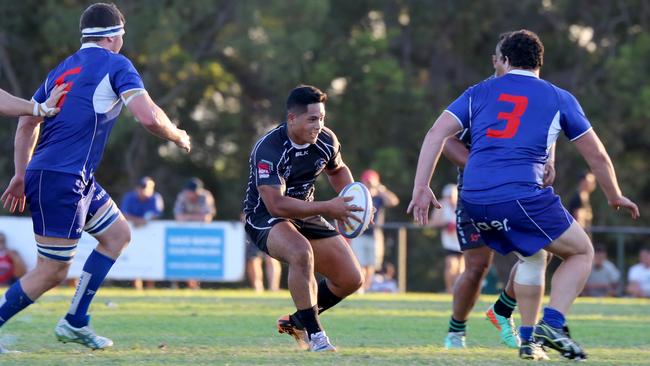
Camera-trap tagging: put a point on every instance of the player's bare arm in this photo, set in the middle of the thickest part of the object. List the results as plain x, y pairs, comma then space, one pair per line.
456, 152
26, 137
445, 126
154, 119
280, 205
592, 149
339, 177
13, 106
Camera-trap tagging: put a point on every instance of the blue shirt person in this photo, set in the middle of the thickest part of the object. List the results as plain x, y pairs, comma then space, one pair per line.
58, 179
513, 121
143, 203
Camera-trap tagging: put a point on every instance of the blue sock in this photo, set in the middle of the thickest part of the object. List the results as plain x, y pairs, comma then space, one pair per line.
553, 317
95, 270
13, 301
525, 333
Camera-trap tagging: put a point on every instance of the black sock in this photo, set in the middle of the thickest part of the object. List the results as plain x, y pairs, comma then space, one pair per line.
309, 319
456, 325
505, 305
326, 298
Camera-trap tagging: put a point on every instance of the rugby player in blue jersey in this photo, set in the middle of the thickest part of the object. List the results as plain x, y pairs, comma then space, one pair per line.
284, 220
476, 254
55, 173
514, 120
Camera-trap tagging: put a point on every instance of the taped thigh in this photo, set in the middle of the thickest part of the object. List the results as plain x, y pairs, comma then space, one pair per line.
531, 270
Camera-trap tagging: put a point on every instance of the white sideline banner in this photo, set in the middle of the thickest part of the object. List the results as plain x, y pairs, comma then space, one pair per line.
160, 250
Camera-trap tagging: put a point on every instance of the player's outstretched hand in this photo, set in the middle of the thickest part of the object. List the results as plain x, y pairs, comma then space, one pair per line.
14, 195
419, 205
48, 109
625, 202
184, 142
339, 209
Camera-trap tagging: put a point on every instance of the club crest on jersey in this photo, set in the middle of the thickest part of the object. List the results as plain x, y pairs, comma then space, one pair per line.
264, 168
320, 164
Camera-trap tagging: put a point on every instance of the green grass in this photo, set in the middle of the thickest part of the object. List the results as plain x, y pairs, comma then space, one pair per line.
177, 327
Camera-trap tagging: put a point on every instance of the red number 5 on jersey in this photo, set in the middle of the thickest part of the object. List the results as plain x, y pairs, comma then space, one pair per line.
512, 118
62, 79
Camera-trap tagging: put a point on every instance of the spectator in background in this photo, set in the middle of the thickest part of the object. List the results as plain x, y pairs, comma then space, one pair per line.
369, 246
12, 266
143, 203
194, 204
272, 267
445, 219
638, 278
384, 281
580, 204
604, 277
139, 206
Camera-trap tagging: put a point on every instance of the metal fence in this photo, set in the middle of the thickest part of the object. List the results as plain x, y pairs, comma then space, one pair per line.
621, 235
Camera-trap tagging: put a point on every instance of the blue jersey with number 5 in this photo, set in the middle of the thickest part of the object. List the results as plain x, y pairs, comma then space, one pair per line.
513, 121
98, 83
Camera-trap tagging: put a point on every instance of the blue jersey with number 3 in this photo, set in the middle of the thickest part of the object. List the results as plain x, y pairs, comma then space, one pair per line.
513, 121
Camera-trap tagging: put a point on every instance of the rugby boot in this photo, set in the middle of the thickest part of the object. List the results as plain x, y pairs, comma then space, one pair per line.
560, 340
506, 328
319, 342
299, 334
455, 340
531, 350
85, 335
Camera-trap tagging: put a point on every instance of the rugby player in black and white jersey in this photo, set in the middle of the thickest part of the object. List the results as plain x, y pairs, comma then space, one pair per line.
283, 219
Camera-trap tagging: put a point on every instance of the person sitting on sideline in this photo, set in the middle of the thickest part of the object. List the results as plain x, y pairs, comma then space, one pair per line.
604, 277
638, 277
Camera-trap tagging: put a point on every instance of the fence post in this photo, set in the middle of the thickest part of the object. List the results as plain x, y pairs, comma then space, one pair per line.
401, 259
620, 262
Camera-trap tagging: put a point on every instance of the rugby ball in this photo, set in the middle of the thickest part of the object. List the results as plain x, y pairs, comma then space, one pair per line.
361, 198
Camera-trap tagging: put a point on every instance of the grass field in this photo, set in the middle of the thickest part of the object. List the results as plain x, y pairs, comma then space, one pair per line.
176, 327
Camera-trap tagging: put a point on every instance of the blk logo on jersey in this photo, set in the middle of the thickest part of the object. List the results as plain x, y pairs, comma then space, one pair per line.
302, 153
264, 168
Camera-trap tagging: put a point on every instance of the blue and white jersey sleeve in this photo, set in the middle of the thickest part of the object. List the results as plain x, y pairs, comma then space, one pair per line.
42, 93
265, 162
461, 109
573, 121
125, 78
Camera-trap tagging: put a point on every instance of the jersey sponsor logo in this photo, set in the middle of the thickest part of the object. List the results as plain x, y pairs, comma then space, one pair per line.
264, 168
512, 118
100, 195
492, 225
302, 153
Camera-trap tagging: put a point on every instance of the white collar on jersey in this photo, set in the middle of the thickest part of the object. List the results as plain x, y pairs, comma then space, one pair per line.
299, 147
90, 45
523, 73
